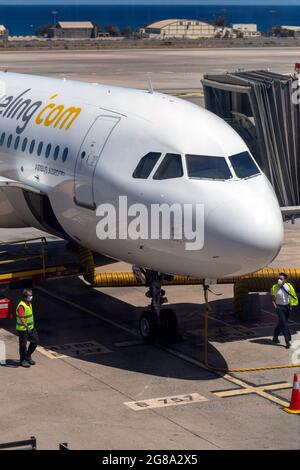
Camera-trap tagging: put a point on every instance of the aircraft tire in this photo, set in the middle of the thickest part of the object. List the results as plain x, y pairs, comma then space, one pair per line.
149, 326
168, 323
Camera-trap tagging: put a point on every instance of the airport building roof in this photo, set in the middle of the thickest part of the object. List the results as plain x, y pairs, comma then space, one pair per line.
162, 24
75, 24
291, 28
245, 26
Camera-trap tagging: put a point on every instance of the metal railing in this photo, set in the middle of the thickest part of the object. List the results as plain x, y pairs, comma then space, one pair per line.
31, 443
64, 446
41, 256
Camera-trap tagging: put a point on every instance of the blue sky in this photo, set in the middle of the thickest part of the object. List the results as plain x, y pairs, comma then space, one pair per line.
157, 2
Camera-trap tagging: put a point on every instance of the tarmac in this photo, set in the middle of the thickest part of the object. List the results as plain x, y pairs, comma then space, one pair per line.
171, 69
95, 384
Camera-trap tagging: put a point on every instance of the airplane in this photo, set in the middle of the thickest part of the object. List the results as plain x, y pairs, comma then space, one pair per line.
68, 147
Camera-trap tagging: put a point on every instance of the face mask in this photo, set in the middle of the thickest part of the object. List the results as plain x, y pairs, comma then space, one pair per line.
30, 298
280, 282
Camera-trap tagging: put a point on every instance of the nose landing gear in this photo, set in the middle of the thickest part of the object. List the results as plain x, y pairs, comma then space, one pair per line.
156, 322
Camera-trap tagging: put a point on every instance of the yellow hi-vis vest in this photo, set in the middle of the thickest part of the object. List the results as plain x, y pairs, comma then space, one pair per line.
293, 296
28, 317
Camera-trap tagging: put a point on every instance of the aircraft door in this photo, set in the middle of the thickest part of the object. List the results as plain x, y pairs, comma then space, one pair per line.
88, 157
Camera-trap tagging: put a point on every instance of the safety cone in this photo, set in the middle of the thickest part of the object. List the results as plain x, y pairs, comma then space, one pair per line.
294, 407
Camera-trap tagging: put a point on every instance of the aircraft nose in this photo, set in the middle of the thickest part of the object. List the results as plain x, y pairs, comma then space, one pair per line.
249, 229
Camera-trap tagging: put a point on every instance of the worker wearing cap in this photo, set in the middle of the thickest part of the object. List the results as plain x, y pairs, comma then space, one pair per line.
26, 330
284, 297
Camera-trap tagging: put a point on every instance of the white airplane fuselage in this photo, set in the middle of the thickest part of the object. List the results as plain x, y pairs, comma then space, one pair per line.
79, 145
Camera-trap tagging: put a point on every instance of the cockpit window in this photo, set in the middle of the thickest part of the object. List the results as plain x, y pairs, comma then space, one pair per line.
244, 165
171, 167
205, 167
146, 165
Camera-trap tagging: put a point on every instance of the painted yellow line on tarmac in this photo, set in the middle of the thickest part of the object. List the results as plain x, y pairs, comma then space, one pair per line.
257, 390
229, 378
252, 389
50, 354
188, 95
85, 348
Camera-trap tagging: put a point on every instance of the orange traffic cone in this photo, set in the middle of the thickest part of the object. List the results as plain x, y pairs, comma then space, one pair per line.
294, 407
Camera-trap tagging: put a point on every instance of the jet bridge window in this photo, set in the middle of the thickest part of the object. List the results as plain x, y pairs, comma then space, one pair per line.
244, 165
205, 167
171, 167
146, 165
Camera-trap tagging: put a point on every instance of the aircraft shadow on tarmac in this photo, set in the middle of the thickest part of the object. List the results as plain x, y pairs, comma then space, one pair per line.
61, 325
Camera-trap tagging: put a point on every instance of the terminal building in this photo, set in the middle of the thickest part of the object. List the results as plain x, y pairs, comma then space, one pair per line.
247, 30
179, 29
73, 30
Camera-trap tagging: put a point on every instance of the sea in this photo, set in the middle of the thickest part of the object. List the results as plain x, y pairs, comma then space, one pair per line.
24, 20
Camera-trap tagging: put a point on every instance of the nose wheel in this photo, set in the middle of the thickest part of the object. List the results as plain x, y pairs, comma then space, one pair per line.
152, 328
168, 324
149, 326
156, 322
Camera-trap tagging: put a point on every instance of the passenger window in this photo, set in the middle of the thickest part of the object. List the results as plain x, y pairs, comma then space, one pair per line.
171, 167
32, 145
244, 165
48, 150
56, 152
2, 138
65, 154
206, 167
146, 165
9, 141
24, 144
17, 141
40, 149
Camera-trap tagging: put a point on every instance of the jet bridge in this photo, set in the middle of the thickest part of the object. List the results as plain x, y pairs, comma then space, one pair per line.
259, 106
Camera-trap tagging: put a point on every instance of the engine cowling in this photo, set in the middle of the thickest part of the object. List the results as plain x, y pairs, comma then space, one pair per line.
14, 212
21, 208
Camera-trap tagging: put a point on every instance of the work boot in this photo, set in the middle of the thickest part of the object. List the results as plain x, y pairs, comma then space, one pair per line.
276, 340
30, 361
24, 363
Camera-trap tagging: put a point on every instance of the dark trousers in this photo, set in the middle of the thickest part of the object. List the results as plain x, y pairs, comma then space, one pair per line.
24, 337
283, 312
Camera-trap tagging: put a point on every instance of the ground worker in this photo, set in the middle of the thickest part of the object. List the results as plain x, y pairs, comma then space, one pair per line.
26, 330
284, 298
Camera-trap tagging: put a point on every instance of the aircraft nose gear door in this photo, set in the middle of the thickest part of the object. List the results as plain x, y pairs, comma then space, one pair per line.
88, 157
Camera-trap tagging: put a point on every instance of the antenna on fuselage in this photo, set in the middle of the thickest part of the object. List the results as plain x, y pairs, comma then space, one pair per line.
150, 85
